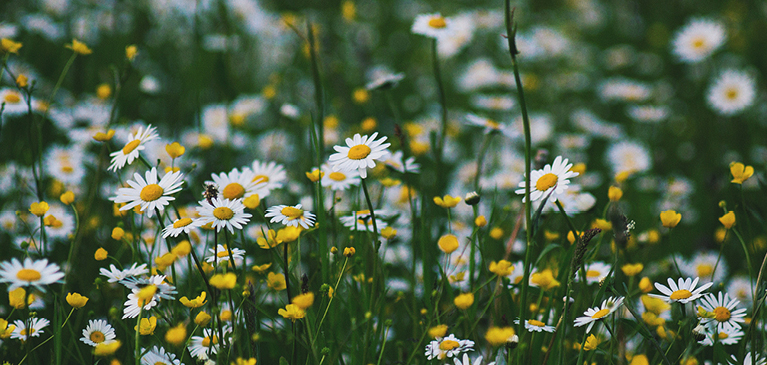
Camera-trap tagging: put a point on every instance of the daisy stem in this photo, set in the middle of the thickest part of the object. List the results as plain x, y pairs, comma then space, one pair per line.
383, 345
335, 288
137, 337
442, 103
50, 338
372, 214
481, 159
648, 335
229, 248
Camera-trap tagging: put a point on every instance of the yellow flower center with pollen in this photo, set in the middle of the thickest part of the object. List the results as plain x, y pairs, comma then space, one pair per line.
97, 337
448, 345
705, 270
723, 335
183, 222
722, 314
359, 152
151, 192
12, 98
493, 124
233, 191
261, 179
207, 341
28, 275
292, 213
592, 274
680, 294
536, 323
437, 22
337, 176
223, 213
130, 146
546, 182
731, 93
601, 313
698, 43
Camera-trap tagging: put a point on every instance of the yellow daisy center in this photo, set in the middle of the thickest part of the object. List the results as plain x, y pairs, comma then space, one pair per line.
698, 43
592, 274
12, 98
337, 176
722, 314
67, 169
291, 212
261, 179
28, 275
233, 191
97, 337
223, 213
723, 335
183, 222
601, 313
731, 93
24, 331
448, 345
224, 253
359, 152
207, 341
130, 146
546, 182
705, 270
151, 192
492, 124
536, 323
680, 294
437, 22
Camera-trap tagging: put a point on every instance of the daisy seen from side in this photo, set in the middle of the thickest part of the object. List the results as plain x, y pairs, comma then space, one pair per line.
270, 173
360, 153
114, 274
23, 333
131, 150
449, 346
467, 361
595, 314
221, 254
223, 213
291, 216
433, 26
182, 225
98, 331
726, 335
37, 274
158, 356
149, 192
551, 179
683, 291
533, 325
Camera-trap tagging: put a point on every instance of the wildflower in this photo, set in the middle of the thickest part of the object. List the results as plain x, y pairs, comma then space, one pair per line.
388, 233
207, 343
544, 279
223, 213
349, 251
438, 331
497, 336
39, 209
22, 81
236, 184
149, 194
194, 303
101, 254
726, 335
98, 331
359, 154
241, 361
338, 180
740, 172
592, 315
632, 269
23, 333
723, 311
448, 243
683, 292
104, 137
384, 82
135, 303
270, 173
447, 201
552, 179
67, 198
182, 225
224, 281
202, 319
303, 301
252, 201
103, 91
76, 300
176, 335
732, 92
595, 272
480, 221
670, 218
276, 282
292, 312
591, 343
467, 361
79, 47
449, 346
501, 268
315, 175
360, 96
158, 355
107, 349
614, 193
9, 46
221, 254
147, 326
361, 220
175, 150
130, 52
291, 216
131, 150
496, 233
533, 325
114, 275
30, 273
464, 301
5, 329
432, 26
698, 39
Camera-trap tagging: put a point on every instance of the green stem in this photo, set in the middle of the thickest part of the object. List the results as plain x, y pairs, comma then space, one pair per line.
442, 103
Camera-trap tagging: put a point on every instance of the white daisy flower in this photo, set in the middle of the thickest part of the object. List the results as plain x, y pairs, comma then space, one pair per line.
747, 360
732, 92
114, 274
164, 290
648, 113
15, 103
595, 272
182, 225
592, 315
698, 39
385, 81
337, 180
134, 303
291, 216
533, 325
395, 161
726, 335
158, 356
628, 156
551, 178
36, 326
739, 288
360, 220
208, 342
449, 346
721, 311
433, 26
131, 150
489, 124
360, 154
270, 173
150, 194
683, 292
98, 331
702, 265
221, 254
223, 213
30, 273
236, 184
466, 361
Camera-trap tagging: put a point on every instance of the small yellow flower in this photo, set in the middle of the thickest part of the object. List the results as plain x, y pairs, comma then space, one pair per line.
448, 243
640, 359
544, 279
131, 52
438, 331
182, 249
388, 233
241, 361
147, 326
79, 47
645, 285
728, 220
690, 361
9, 46
39, 209
447, 201
16, 298
463, 301
6, 329
67, 198
501, 268
276, 282
288, 234
176, 335
101, 254
224, 281
262, 268
175, 149
369, 124
349, 251
654, 305
292, 312
22, 81
76, 300
194, 303
614, 193
591, 343
498, 336
361, 96
315, 175
670, 218
740, 172
107, 348
202, 319
252, 201
480, 221
550, 236
103, 91
103, 137
496, 233
348, 10
632, 269
304, 301
602, 224
118, 233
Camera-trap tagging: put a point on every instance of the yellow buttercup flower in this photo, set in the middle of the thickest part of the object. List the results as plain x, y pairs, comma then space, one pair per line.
39, 209
202, 319
632, 269
101, 254
498, 336
438, 331
480, 221
501, 268
728, 220
79, 47
118, 233
315, 175
176, 335
276, 282
104, 137
131, 52
304, 301
544, 279
349, 251
6, 329
16, 298
292, 312
147, 326
646, 285
448, 243
591, 343
76, 300
447, 201
175, 149
107, 348
463, 301
740, 172
67, 198
262, 268
388, 233
22, 81
670, 218
252, 201
194, 303
9, 46
224, 281
614, 193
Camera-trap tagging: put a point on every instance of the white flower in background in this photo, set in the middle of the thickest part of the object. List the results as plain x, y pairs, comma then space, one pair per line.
433, 26
130, 151
732, 92
698, 39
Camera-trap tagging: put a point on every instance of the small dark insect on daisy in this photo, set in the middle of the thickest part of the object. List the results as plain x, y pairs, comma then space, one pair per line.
210, 192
